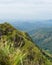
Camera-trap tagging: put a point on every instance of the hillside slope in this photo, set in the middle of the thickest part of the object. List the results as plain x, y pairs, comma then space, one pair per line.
17, 48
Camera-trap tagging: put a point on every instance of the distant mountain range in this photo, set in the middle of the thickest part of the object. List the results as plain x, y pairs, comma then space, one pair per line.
31, 25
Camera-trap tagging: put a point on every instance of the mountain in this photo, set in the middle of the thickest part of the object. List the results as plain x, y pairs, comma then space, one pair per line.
43, 38
17, 48
31, 25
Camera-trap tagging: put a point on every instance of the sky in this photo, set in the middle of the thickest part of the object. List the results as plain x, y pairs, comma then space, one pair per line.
26, 9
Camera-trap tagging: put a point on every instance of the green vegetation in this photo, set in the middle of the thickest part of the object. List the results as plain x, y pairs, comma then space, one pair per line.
17, 48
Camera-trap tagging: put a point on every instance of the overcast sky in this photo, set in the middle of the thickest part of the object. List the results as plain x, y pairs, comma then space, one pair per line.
26, 9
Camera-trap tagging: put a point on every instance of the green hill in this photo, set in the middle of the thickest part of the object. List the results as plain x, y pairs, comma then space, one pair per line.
17, 48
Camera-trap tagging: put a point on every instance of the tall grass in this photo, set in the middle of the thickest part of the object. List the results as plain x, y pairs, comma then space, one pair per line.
8, 58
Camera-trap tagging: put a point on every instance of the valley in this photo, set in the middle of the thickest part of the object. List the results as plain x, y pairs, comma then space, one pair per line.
43, 38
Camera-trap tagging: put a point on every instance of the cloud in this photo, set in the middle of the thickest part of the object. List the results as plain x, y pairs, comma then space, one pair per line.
5, 1
26, 9
26, 1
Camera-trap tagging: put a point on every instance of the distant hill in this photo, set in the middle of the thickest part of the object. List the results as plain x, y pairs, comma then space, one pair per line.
31, 25
43, 38
17, 48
